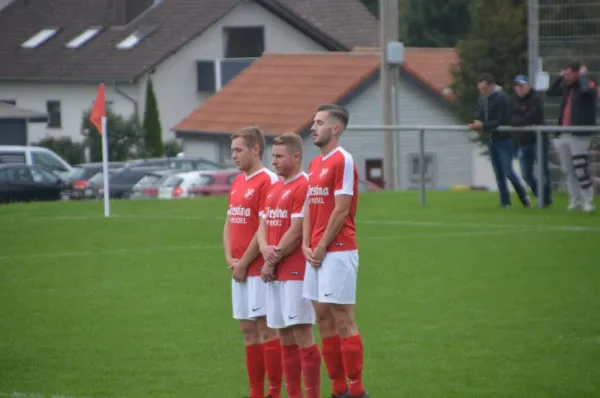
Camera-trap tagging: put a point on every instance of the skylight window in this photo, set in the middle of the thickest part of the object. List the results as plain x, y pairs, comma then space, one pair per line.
83, 38
39, 38
133, 39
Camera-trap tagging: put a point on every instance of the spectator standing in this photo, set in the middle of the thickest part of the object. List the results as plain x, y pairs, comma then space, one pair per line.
528, 110
577, 108
493, 112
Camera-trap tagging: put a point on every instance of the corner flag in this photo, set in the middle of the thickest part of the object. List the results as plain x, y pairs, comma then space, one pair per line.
98, 119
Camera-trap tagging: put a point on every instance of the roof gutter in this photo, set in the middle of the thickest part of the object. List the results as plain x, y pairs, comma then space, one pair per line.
50, 80
128, 97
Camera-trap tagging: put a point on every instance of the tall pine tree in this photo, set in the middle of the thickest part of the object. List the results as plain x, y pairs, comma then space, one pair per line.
436, 23
152, 131
496, 43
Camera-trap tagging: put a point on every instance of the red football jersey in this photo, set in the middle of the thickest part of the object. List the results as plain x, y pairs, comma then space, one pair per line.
285, 202
331, 175
246, 201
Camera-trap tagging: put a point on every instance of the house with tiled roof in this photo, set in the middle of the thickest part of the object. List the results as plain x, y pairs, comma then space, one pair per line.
53, 53
280, 93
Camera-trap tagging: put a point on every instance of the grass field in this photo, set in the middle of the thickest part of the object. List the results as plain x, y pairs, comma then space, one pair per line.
457, 299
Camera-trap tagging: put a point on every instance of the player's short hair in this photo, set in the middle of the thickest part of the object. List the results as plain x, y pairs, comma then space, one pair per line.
292, 141
574, 66
336, 111
486, 77
252, 135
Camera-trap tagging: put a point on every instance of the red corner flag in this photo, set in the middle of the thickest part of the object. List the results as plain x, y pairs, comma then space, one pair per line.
99, 109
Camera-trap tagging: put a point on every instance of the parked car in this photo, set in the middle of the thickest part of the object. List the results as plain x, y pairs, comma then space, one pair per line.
214, 183
35, 155
78, 178
177, 185
183, 163
147, 187
26, 183
122, 181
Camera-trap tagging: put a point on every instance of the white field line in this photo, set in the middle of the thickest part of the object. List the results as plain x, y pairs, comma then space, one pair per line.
15, 394
211, 247
405, 223
112, 252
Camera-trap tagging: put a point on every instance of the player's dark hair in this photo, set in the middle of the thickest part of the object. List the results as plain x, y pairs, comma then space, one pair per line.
486, 77
252, 135
574, 66
291, 141
336, 111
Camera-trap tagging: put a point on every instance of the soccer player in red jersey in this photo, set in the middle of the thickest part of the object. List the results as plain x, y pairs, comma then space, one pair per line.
246, 201
280, 241
329, 244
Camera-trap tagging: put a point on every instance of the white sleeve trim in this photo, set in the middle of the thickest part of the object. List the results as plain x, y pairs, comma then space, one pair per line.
348, 176
297, 215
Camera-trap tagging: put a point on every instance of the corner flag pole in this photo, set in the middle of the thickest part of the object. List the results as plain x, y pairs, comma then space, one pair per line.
98, 119
105, 168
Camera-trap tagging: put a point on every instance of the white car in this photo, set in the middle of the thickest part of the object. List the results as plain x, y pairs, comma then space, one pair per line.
177, 185
35, 155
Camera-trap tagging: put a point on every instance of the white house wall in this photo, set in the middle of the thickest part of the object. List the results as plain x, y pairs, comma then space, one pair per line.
452, 150
175, 79
74, 100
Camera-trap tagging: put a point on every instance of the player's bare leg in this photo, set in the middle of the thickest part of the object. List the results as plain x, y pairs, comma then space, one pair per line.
331, 348
351, 347
272, 356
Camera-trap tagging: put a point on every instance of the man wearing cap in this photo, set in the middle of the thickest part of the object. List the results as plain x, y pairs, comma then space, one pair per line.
528, 110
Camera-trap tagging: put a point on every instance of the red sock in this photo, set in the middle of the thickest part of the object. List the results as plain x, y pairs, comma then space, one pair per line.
332, 354
272, 350
311, 369
352, 350
255, 365
292, 370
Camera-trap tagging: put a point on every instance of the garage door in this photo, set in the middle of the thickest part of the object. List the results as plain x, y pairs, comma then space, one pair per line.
13, 132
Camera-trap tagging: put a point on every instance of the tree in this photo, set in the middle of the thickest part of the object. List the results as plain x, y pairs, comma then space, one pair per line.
496, 43
172, 148
436, 23
153, 146
124, 137
72, 152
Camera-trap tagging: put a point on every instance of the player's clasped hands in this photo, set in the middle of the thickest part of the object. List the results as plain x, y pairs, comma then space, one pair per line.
272, 256
314, 257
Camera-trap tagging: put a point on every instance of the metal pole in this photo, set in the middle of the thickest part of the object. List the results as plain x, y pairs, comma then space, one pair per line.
388, 17
422, 164
541, 174
533, 39
395, 134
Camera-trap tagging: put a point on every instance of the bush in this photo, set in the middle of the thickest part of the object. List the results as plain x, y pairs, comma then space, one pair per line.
72, 152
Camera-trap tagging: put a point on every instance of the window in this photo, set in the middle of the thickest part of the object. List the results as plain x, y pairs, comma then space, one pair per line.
47, 160
10, 102
244, 42
54, 114
83, 38
13, 157
42, 176
172, 181
133, 39
415, 166
203, 180
39, 38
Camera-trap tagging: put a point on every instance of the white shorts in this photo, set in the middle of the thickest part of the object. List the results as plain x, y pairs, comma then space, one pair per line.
249, 298
335, 280
286, 306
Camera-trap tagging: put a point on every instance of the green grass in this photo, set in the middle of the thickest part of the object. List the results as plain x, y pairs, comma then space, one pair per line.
456, 299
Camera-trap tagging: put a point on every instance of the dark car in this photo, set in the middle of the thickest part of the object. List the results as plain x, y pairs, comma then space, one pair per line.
78, 178
214, 183
26, 183
122, 181
184, 163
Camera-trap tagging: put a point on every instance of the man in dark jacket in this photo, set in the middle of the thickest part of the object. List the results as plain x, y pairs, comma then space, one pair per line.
493, 112
528, 110
577, 108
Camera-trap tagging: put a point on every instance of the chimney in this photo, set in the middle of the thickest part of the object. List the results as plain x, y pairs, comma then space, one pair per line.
125, 11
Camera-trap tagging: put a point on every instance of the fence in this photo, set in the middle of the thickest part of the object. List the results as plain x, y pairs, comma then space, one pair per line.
422, 129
